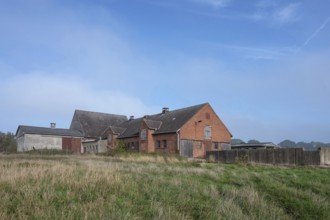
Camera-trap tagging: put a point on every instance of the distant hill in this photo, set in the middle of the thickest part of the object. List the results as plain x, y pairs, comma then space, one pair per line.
307, 146
289, 144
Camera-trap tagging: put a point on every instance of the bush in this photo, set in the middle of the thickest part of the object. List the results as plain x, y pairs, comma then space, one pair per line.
121, 148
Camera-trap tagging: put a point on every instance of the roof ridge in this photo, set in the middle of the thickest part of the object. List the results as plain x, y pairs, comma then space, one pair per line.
79, 110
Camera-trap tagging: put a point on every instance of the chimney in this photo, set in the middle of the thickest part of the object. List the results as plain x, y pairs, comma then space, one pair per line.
52, 125
131, 117
165, 109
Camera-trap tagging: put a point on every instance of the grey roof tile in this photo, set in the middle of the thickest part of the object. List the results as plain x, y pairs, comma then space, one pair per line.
23, 129
93, 124
168, 122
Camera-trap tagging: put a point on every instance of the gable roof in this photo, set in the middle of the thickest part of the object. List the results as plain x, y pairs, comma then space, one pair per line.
153, 124
23, 129
172, 121
132, 128
93, 124
114, 129
167, 122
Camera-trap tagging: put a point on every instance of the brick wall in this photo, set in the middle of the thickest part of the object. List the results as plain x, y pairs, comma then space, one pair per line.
194, 128
171, 143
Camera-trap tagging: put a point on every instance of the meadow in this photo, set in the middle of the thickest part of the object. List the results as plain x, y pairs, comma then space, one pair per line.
157, 187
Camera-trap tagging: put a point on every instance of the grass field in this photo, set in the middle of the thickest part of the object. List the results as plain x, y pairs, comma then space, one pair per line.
157, 187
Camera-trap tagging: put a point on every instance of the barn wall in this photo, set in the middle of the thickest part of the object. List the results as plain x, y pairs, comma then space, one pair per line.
36, 142
103, 144
171, 143
71, 144
20, 144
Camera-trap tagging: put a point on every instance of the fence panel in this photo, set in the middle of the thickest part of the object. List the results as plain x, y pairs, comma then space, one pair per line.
287, 156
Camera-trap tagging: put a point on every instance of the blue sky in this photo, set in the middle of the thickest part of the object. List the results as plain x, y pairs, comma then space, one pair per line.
263, 65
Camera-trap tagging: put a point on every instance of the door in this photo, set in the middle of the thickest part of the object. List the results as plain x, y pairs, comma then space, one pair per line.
187, 148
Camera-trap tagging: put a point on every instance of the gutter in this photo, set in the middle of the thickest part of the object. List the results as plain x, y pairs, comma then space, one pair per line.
178, 140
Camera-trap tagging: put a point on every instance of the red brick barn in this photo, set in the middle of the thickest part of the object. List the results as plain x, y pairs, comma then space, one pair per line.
188, 131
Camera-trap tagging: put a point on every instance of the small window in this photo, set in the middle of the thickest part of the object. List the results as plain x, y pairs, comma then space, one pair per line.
164, 143
157, 144
208, 132
215, 145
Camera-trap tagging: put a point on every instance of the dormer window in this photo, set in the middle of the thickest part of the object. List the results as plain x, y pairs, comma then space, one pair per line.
143, 134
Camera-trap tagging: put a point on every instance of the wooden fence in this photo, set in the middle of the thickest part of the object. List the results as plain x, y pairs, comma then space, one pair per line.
286, 156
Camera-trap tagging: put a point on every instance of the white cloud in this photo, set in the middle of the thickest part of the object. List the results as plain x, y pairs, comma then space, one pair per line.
286, 14
276, 14
215, 3
40, 95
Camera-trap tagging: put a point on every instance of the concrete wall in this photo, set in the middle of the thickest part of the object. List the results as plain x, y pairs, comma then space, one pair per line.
90, 147
103, 144
325, 156
289, 156
30, 142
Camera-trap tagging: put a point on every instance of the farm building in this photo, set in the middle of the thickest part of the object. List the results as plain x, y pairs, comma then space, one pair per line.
188, 131
267, 145
92, 125
35, 138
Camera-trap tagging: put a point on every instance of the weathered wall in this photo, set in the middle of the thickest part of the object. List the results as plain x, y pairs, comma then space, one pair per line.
289, 156
20, 144
132, 143
171, 143
103, 146
30, 142
71, 144
90, 147
325, 156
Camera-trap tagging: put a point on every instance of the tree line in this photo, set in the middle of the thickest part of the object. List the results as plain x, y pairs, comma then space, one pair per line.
7, 142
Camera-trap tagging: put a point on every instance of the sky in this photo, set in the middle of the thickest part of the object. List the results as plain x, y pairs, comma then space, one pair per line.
263, 65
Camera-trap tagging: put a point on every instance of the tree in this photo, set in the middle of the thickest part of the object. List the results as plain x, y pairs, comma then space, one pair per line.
7, 142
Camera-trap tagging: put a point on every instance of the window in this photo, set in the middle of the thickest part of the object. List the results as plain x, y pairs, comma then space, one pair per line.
215, 145
208, 132
143, 134
157, 144
164, 143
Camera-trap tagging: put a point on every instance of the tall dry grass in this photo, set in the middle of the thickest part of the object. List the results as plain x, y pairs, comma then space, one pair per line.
156, 187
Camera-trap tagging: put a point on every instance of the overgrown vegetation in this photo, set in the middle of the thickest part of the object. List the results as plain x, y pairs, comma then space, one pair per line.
50, 152
7, 142
157, 187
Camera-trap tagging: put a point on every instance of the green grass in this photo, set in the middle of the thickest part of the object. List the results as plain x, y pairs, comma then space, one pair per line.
157, 187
